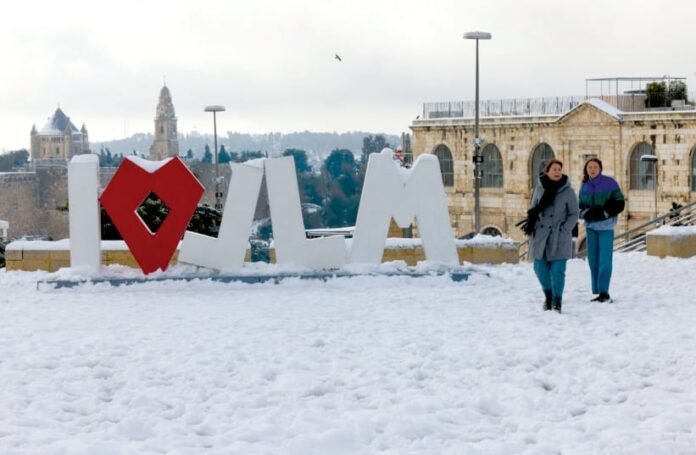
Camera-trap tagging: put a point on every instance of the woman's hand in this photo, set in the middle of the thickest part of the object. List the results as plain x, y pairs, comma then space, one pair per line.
595, 214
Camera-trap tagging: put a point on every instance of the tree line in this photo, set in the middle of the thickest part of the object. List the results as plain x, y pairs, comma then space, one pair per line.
331, 195
13, 160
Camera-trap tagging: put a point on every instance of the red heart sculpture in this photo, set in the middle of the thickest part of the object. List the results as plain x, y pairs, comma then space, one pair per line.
176, 187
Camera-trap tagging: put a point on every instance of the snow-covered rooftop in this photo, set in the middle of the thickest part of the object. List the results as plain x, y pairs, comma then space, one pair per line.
605, 107
57, 124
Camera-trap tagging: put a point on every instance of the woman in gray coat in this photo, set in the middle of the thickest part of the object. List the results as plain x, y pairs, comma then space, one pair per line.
551, 218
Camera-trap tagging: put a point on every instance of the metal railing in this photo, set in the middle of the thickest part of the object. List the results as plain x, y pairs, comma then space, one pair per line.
496, 108
557, 105
635, 239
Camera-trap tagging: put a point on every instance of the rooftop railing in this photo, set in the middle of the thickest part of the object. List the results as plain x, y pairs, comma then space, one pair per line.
558, 105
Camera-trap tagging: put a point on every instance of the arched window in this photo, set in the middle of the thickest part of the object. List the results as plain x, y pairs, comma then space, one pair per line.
542, 153
642, 173
693, 169
444, 155
492, 167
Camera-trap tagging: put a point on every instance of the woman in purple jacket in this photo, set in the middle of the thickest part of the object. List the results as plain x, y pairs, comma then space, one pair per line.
601, 201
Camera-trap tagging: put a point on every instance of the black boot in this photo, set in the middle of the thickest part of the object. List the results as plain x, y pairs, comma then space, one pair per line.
604, 297
597, 299
557, 300
547, 302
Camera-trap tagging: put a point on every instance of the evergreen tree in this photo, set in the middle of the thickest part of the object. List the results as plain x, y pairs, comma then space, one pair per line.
340, 161
372, 144
656, 94
408, 151
189, 154
223, 156
250, 155
311, 188
13, 159
21, 157
106, 159
677, 91
207, 156
342, 189
301, 162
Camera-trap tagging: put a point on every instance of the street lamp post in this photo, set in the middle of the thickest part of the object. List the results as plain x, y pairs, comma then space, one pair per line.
652, 159
218, 193
478, 159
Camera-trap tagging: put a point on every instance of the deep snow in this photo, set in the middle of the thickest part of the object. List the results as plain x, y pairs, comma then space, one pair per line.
361, 365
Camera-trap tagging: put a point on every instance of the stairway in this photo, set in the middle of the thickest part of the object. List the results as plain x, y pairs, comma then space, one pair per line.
635, 239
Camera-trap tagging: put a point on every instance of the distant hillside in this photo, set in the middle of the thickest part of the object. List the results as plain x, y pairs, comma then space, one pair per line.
317, 145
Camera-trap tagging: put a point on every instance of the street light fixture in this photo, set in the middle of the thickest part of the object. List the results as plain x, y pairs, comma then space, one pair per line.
478, 159
652, 159
218, 193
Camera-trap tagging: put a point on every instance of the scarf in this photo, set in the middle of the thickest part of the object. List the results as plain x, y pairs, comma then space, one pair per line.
551, 187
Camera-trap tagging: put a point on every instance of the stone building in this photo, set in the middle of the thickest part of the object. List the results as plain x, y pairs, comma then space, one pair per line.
166, 142
517, 141
59, 139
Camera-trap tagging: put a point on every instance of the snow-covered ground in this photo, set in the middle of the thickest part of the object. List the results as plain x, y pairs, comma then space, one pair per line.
354, 365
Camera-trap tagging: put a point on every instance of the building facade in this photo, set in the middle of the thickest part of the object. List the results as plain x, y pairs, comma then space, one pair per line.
59, 139
515, 147
166, 141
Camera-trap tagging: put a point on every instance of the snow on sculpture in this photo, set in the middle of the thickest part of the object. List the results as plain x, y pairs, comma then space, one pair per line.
404, 194
84, 213
227, 251
389, 191
291, 244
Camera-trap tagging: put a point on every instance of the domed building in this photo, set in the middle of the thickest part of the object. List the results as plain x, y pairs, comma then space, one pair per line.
59, 139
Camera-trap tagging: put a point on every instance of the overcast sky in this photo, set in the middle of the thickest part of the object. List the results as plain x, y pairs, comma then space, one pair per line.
272, 65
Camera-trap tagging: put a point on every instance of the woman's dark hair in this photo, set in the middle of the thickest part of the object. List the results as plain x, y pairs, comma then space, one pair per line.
585, 175
551, 163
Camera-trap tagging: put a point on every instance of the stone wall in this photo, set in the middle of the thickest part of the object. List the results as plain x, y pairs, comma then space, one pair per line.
674, 241
19, 204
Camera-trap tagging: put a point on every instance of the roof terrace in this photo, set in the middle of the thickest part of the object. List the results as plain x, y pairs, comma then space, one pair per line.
627, 94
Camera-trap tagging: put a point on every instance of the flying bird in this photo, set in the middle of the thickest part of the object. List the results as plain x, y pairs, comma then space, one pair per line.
338, 57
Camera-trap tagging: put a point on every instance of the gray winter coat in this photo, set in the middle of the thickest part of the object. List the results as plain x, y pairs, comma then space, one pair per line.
552, 237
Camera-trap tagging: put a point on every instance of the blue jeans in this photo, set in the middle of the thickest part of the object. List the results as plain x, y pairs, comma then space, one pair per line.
551, 275
600, 250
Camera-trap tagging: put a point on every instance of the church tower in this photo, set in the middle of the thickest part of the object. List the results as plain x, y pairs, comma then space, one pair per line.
166, 143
